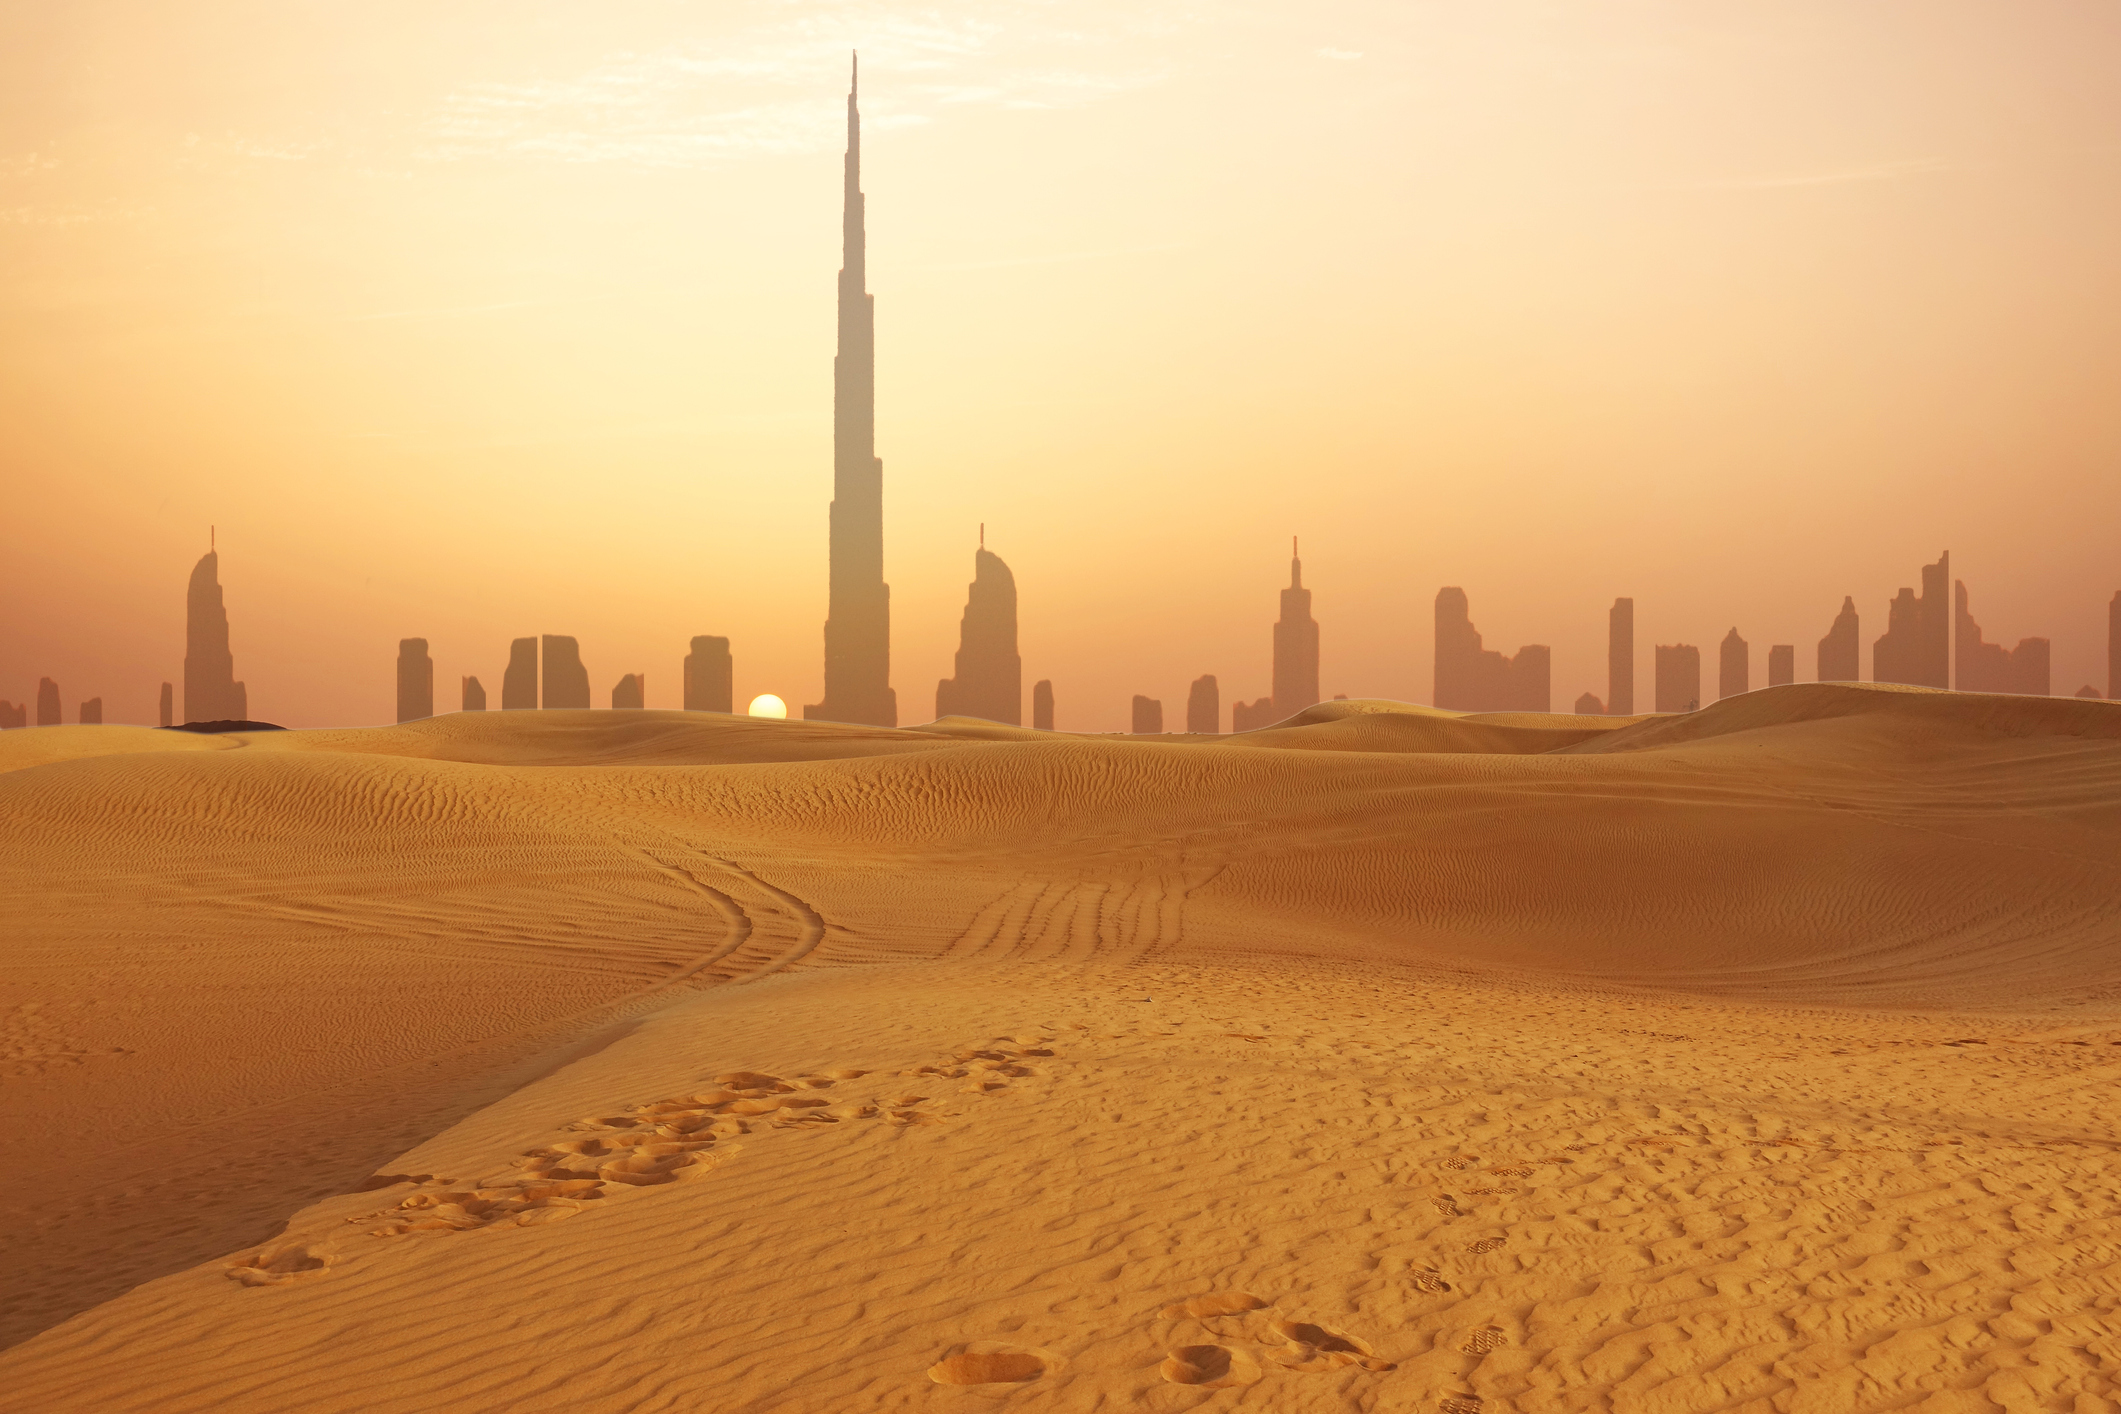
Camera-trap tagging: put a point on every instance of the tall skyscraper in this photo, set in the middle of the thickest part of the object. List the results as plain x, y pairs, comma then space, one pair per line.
1734, 666
48, 712
1295, 645
1917, 644
1781, 664
1148, 716
989, 679
1470, 678
566, 681
1678, 677
92, 712
1204, 706
474, 695
1982, 666
211, 692
1839, 650
416, 681
1620, 659
1042, 704
710, 676
631, 694
168, 710
858, 609
519, 681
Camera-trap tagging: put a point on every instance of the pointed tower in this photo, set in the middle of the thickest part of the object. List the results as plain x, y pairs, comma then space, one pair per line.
211, 692
858, 611
1295, 645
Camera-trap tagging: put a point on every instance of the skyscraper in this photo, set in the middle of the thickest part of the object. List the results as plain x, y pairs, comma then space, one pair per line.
858, 608
1982, 666
1781, 664
519, 681
1295, 645
989, 680
1620, 658
1042, 704
1838, 651
710, 676
1470, 678
416, 681
211, 692
1734, 666
1917, 643
565, 681
1204, 706
1678, 677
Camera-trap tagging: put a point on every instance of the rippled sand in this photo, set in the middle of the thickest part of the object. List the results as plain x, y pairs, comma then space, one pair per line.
1763, 1058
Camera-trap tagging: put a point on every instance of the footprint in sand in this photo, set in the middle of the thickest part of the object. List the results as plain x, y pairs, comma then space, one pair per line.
993, 1368
1481, 1342
275, 1266
1314, 1349
1430, 1282
1460, 1404
1486, 1244
1210, 1366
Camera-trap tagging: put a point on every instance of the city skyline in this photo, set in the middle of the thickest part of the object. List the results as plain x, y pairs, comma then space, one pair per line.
1732, 398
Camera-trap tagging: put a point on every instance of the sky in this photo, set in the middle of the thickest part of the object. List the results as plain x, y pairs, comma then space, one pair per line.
489, 319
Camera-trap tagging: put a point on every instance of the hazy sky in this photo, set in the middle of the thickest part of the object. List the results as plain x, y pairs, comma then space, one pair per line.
484, 319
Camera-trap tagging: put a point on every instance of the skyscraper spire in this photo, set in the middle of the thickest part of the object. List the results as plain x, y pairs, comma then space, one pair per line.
858, 612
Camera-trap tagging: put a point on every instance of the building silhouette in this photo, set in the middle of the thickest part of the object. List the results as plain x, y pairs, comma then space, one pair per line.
1678, 677
1204, 706
566, 681
48, 713
2088, 691
1295, 645
211, 692
1042, 705
91, 713
710, 676
1620, 658
631, 693
1470, 678
1734, 666
474, 695
1839, 650
1781, 664
416, 681
1990, 667
1588, 705
1148, 716
1252, 716
168, 708
858, 610
1916, 646
14, 716
989, 681
519, 681
2113, 646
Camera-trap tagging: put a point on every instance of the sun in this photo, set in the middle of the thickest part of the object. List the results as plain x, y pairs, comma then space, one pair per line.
767, 705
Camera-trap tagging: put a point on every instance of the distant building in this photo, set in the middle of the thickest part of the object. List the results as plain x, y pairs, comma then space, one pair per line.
1295, 645
168, 709
1990, 667
1470, 678
2088, 691
1916, 646
631, 693
1678, 677
1204, 706
1252, 716
1781, 664
989, 680
1734, 666
211, 692
13, 715
1148, 716
474, 695
710, 676
1838, 651
92, 712
1588, 705
566, 681
1620, 658
519, 682
1042, 705
416, 681
48, 713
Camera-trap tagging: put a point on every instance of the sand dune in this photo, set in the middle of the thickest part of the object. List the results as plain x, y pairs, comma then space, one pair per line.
1735, 1060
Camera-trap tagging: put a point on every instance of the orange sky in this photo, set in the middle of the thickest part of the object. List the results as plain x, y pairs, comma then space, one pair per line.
490, 319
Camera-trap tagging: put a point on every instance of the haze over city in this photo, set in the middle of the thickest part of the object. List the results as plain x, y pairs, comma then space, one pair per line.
469, 330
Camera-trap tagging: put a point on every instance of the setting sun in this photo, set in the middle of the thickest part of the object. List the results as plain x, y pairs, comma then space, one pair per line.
767, 705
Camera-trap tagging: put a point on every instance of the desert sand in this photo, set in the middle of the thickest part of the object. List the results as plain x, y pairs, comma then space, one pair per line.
1764, 1058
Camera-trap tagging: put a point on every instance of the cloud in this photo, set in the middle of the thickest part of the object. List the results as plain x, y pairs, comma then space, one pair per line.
774, 89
